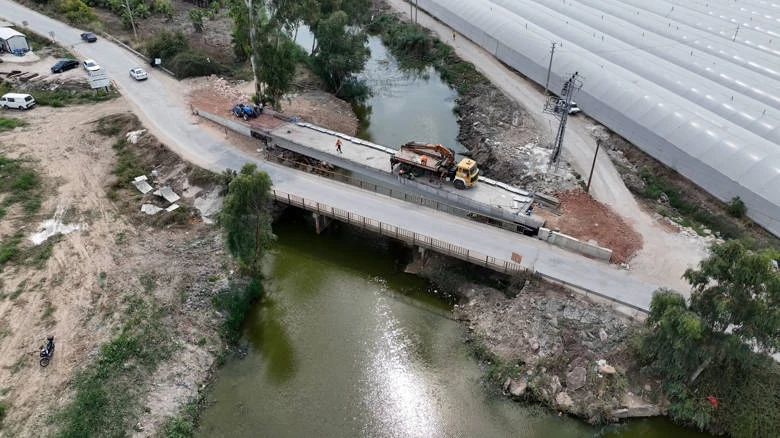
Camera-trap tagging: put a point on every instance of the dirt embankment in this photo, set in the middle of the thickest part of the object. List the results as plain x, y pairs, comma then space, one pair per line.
113, 253
541, 342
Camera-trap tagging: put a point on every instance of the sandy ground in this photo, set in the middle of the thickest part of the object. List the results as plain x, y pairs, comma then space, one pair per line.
77, 295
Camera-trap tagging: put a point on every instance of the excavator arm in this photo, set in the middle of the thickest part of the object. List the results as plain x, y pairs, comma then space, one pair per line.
444, 155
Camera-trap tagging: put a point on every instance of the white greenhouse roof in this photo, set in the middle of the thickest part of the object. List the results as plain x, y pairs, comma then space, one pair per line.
695, 84
7, 33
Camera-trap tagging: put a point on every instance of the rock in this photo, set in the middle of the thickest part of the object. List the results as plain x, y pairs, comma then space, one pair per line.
517, 387
563, 400
576, 379
555, 385
607, 369
535, 346
506, 385
638, 411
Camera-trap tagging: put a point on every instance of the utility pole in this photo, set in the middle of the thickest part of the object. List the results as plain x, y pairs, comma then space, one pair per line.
560, 107
132, 22
593, 166
549, 68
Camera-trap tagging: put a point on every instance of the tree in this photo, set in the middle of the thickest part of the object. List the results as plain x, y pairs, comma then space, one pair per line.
738, 289
246, 218
341, 52
708, 349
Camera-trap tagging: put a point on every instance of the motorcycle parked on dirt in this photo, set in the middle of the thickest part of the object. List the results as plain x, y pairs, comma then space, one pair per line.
47, 352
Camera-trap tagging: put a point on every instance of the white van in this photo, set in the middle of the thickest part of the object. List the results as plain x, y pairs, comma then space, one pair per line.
17, 100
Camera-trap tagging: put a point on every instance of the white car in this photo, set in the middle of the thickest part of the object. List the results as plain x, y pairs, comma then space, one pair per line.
90, 65
138, 74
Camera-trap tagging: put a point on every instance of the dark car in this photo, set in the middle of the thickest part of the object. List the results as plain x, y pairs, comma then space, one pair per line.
89, 37
63, 65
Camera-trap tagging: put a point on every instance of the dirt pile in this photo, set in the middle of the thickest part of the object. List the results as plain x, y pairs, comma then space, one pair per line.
588, 220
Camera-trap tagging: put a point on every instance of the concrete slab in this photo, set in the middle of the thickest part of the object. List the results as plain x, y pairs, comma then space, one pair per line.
167, 193
142, 185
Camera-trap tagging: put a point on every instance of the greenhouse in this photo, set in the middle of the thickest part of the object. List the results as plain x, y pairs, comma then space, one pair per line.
694, 84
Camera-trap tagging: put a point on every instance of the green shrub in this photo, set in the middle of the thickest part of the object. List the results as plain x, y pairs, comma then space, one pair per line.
736, 208
235, 302
190, 64
166, 45
77, 12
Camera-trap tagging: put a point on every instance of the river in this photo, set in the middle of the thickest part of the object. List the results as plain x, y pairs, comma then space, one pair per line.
344, 344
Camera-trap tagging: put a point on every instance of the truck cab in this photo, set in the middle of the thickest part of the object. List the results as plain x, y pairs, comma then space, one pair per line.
466, 174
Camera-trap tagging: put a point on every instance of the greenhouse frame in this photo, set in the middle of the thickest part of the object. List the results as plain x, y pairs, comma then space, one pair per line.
695, 84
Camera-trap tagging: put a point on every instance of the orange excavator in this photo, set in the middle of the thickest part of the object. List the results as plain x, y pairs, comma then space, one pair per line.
416, 159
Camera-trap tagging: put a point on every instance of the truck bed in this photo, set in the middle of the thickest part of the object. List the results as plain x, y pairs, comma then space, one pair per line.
414, 159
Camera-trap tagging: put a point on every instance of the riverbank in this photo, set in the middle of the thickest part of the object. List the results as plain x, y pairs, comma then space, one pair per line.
541, 342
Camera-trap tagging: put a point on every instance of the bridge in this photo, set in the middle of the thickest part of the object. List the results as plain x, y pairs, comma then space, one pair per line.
164, 111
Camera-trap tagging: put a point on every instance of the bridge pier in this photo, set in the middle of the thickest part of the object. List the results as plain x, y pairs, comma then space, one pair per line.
321, 222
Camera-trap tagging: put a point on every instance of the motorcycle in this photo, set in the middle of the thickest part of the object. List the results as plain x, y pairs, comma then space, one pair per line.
47, 352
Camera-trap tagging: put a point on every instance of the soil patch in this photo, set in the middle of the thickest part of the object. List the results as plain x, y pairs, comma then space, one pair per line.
78, 294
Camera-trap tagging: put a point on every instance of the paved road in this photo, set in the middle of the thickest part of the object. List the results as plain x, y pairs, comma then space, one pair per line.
664, 254
165, 113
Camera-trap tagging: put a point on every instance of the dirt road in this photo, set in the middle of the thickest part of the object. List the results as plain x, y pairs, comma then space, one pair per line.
665, 254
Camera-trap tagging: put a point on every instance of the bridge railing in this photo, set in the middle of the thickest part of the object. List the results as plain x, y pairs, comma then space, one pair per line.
399, 233
477, 213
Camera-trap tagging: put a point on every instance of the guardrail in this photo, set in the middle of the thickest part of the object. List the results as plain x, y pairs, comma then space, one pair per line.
402, 234
118, 42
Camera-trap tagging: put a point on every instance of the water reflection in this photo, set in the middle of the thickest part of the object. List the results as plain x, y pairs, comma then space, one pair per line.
405, 104
344, 345
269, 339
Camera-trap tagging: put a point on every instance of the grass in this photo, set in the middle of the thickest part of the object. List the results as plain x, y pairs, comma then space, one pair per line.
21, 185
693, 215
107, 391
60, 98
9, 123
416, 48
184, 424
127, 166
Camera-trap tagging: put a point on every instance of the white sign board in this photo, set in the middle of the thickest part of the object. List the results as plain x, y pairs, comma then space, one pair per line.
98, 79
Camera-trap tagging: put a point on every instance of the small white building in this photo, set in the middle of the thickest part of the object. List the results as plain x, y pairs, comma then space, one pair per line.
12, 41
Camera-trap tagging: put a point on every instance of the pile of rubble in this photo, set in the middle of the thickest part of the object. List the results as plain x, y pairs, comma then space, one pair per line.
232, 92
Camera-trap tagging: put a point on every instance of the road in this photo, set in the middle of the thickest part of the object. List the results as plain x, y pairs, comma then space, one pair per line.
162, 108
664, 254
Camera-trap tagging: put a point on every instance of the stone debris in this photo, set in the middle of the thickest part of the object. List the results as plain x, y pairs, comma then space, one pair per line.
563, 400
167, 193
133, 136
172, 207
141, 184
576, 378
150, 209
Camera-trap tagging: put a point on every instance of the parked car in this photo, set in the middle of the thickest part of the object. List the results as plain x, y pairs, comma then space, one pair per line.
138, 74
17, 100
64, 65
90, 65
89, 37
574, 109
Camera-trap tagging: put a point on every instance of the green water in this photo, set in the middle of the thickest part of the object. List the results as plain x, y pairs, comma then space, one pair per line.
346, 345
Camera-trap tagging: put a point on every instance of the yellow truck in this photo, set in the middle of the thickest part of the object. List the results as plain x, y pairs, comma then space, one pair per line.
420, 159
